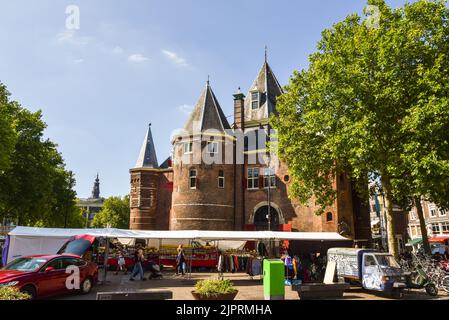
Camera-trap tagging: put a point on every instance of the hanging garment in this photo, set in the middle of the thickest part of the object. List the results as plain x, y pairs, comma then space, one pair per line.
220, 263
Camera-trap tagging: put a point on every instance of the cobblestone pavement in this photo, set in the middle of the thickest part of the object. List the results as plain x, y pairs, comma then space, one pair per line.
249, 289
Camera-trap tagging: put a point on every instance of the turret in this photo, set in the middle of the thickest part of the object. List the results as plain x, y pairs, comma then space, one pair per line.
203, 192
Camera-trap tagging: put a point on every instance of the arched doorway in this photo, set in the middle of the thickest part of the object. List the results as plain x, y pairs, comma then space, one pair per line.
261, 219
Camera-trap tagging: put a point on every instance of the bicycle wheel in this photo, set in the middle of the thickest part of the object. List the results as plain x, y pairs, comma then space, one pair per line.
445, 283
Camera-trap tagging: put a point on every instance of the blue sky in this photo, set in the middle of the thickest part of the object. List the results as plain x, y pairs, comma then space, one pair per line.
136, 62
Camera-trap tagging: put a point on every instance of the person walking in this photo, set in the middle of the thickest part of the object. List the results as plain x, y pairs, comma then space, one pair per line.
138, 269
180, 260
121, 263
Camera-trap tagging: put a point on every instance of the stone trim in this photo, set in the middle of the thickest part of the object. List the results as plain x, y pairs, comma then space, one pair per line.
201, 219
201, 205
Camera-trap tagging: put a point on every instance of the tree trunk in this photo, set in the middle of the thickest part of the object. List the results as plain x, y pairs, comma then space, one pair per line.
422, 224
391, 219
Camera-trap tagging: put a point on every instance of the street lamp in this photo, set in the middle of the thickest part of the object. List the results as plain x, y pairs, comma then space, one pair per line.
268, 159
268, 192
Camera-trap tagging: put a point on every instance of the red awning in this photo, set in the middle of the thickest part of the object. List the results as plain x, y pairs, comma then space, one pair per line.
440, 239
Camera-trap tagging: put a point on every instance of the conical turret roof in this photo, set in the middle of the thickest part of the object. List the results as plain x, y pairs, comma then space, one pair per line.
269, 88
147, 156
207, 114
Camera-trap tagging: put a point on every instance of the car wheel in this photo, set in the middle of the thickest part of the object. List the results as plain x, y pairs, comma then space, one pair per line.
31, 291
86, 286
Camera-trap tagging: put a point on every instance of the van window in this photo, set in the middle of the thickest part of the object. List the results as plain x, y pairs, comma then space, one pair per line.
370, 261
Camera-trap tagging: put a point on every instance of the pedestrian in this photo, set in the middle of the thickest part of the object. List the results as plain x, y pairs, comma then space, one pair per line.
180, 260
138, 269
121, 263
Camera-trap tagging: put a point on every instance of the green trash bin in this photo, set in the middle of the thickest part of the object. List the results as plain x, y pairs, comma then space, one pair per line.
273, 280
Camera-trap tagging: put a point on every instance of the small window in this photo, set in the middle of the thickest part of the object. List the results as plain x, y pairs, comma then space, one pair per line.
329, 217
433, 213
255, 98
221, 179
445, 227
253, 178
443, 213
192, 179
188, 147
212, 147
286, 178
269, 179
436, 228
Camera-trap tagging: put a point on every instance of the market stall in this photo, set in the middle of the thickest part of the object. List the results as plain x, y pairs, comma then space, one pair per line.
28, 241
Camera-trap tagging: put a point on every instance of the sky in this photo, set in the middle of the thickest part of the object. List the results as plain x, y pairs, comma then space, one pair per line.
132, 63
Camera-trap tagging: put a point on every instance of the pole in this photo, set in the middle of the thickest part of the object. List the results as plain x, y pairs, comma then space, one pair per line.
384, 227
105, 264
191, 257
269, 202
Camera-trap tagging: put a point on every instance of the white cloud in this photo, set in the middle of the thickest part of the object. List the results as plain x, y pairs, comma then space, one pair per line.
172, 56
71, 37
185, 108
136, 58
77, 61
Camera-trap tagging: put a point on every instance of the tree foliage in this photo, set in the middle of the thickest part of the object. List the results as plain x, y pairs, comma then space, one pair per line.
114, 214
360, 106
35, 187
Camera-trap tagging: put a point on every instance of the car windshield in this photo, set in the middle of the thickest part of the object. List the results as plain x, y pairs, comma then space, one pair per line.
387, 261
78, 247
26, 264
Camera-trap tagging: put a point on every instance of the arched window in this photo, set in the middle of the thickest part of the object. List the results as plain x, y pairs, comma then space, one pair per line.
329, 217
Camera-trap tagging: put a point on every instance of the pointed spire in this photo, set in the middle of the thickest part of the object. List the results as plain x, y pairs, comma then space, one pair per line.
266, 54
207, 113
96, 188
147, 156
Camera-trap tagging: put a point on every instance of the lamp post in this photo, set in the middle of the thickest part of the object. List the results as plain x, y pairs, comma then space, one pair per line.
268, 158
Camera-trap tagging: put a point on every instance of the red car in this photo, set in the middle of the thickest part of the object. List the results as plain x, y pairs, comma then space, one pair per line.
44, 276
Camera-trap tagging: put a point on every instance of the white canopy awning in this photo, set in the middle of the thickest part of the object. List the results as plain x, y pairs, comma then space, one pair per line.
188, 234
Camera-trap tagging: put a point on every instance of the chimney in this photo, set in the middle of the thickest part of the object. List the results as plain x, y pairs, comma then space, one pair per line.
239, 110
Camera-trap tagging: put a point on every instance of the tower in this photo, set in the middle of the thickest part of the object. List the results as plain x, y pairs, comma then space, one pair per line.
203, 171
96, 188
144, 187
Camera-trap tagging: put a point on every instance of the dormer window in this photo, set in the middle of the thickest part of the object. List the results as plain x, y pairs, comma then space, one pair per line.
255, 100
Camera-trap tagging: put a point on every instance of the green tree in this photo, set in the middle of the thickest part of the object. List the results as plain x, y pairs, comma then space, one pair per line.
114, 214
7, 133
35, 188
351, 110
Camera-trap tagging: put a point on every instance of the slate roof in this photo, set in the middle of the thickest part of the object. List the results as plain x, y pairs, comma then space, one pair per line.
207, 114
147, 156
269, 87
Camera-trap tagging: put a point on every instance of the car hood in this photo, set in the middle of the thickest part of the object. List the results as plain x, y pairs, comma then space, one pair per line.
10, 275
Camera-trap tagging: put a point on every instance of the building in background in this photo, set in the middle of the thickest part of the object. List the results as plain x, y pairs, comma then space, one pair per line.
246, 195
93, 204
378, 215
437, 223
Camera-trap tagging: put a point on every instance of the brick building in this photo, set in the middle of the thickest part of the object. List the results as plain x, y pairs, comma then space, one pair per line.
220, 178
